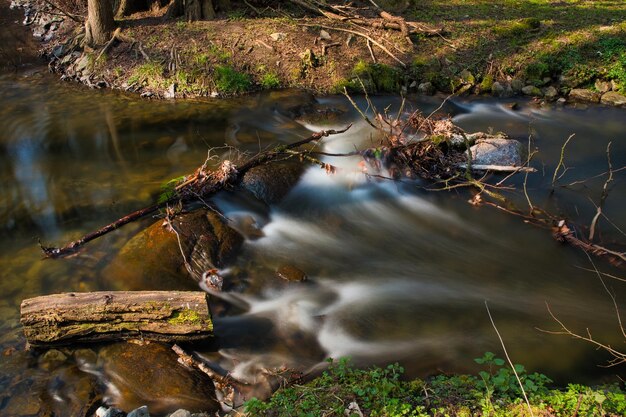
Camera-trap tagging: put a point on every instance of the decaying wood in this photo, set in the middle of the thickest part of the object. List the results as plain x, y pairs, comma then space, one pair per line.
167, 316
564, 234
200, 185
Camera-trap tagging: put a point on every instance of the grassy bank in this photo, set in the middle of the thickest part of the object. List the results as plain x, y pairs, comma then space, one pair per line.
343, 390
501, 47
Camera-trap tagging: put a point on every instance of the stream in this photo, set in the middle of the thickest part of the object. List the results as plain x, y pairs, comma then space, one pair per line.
396, 273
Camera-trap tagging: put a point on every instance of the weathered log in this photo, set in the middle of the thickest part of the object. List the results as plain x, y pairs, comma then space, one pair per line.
167, 316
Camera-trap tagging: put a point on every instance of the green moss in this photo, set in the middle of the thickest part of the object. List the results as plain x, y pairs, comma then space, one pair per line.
185, 317
375, 78
230, 81
487, 83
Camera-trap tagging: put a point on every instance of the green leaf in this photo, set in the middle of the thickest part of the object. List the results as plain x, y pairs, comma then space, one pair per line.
498, 361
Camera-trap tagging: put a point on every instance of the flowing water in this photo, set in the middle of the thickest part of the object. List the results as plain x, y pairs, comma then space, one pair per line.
396, 272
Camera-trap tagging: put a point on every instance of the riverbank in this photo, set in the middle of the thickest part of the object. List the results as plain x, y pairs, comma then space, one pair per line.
343, 390
544, 49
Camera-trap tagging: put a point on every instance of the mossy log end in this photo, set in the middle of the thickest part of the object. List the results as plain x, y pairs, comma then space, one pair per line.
166, 316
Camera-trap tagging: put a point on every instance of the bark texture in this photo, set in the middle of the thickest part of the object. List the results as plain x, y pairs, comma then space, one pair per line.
167, 316
100, 23
192, 9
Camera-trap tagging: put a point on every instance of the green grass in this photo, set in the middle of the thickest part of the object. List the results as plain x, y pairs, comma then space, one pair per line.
229, 81
494, 392
150, 74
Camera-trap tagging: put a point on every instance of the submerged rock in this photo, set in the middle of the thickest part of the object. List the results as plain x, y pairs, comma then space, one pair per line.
72, 392
497, 151
151, 375
291, 273
159, 256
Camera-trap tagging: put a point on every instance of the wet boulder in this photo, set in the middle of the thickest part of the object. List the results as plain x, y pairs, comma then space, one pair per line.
270, 183
151, 375
497, 151
160, 256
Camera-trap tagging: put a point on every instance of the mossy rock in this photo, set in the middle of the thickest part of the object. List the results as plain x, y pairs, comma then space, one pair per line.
374, 78
154, 259
486, 84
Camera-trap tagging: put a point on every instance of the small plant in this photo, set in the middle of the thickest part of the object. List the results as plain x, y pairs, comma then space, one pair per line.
501, 381
219, 54
229, 81
202, 59
381, 392
270, 80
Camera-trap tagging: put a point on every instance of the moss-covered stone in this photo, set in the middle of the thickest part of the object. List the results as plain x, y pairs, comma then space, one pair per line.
374, 78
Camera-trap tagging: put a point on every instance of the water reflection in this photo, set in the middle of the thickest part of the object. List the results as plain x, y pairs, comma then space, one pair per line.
396, 273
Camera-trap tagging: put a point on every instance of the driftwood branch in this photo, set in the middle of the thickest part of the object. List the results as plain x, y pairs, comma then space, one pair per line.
202, 184
167, 316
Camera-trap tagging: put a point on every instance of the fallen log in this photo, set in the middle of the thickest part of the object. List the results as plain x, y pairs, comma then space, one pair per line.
166, 316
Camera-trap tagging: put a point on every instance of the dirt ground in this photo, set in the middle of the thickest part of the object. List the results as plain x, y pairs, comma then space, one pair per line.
493, 47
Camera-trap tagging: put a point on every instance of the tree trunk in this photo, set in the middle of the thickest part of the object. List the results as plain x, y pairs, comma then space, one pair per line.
167, 316
192, 9
100, 23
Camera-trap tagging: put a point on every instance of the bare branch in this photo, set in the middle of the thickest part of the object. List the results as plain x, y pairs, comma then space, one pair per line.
519, 381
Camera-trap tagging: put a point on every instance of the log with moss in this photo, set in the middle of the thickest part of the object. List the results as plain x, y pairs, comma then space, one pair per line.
166, 316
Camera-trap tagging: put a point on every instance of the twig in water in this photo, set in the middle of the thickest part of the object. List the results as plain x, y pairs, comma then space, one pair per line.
363, 115
605, 194
506, 354
618, 357
560, 164
530, 155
